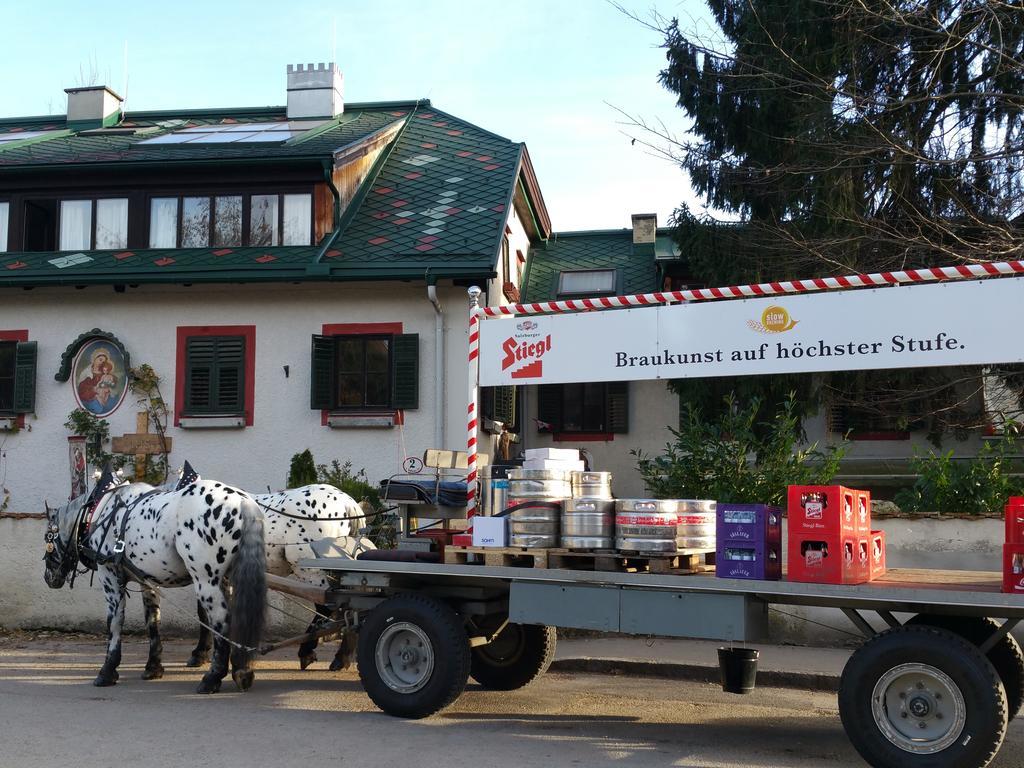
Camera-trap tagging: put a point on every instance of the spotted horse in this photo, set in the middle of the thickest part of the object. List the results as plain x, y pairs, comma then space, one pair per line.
206, 534
302, 523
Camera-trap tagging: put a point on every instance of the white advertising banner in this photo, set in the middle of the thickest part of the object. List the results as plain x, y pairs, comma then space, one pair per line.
955, 323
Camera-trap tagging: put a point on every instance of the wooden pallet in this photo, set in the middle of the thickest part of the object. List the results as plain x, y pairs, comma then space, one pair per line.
502, 556
686, 562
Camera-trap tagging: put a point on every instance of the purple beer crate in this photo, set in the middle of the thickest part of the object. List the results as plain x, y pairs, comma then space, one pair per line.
749, 560
749, 523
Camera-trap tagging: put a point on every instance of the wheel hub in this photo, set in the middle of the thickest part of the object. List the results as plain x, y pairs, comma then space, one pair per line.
918, 708
404, 657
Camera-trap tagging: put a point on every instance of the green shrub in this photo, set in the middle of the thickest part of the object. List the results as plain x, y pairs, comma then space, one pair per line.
302, 470
980, 484
733, 457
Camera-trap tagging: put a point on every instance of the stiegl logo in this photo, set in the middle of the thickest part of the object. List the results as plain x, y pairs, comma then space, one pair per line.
530, 353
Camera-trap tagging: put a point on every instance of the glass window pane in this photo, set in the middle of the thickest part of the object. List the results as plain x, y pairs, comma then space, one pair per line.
377, 356
572, 407
298, 211
227, 225
587, 281
195, 222
163, 222
350, 389
5, 213
593, 407
350, 355
7, 363
263, 220
112, 223
377, 389
75, 225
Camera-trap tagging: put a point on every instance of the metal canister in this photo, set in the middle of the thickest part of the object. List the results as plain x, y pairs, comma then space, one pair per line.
592, 485
533, 522
493, 490
588, 523
664, 525
538, 483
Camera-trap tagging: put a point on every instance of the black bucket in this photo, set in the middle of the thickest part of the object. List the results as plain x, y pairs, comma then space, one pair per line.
738, 668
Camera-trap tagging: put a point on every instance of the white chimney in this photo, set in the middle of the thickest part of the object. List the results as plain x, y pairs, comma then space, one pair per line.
315, 91
645, 228
93, 106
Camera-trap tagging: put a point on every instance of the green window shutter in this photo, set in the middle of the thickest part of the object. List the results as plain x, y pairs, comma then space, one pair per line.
215, 374
505, 405
405, 370
549, 406
25, 377
322, 370
617, 406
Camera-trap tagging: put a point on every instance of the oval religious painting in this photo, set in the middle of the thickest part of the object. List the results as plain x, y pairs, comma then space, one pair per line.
99, 377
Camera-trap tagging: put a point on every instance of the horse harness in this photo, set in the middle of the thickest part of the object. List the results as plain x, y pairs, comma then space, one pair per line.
91, 557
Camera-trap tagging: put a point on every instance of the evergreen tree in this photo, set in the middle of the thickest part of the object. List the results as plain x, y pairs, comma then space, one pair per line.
846, 136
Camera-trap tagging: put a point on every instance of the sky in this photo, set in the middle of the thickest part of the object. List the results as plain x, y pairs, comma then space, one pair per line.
551, 73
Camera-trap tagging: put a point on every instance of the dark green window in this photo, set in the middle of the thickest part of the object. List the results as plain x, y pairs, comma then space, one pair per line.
17, 376
499, 404
214, 375
365, 372
593, 407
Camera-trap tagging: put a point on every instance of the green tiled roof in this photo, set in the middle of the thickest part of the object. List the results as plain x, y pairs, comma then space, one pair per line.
433, 206
112, 146
443, 192
600, 249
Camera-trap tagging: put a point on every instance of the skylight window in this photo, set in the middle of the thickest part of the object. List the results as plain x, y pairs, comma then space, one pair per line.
19, 135
586, 282
237, 133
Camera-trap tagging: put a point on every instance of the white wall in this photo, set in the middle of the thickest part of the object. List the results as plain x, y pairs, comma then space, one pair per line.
34, 464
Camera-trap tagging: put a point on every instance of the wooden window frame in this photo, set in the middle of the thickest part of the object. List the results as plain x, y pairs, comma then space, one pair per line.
58, 199
246, 194
184, 332
5, 246
20, 335
560, 434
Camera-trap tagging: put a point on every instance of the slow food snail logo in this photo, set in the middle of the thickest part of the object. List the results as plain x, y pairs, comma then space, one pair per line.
774, 319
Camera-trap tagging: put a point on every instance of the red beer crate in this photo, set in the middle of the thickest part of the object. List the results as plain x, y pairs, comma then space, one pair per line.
1015, 520
876, 542
1013, 569
824, 509
828, 558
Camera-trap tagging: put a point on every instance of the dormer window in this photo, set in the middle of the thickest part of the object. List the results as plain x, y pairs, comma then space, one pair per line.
231, 220
587, 282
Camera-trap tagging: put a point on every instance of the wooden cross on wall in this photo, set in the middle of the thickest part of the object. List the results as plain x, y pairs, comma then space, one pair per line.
141, 445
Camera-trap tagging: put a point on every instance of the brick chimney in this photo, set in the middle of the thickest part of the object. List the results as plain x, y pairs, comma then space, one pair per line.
94, 106
315, 91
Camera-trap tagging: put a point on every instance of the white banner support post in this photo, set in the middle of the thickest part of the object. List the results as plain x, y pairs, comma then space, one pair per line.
472, 419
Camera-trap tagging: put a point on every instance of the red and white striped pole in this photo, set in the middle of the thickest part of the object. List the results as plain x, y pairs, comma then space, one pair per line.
934, 274
472, 419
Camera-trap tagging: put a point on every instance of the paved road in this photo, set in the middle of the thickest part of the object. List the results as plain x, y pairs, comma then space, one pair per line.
50, 715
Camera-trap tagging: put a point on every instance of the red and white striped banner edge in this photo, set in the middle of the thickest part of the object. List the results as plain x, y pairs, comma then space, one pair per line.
959, 272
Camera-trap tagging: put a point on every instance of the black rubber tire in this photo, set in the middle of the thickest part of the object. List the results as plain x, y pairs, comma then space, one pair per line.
1006, 656
979, 683
517, 657
449, 644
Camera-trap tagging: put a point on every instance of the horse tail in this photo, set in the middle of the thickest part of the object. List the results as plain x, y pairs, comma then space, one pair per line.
249, 582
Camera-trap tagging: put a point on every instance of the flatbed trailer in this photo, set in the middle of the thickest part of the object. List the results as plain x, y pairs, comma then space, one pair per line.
936, 689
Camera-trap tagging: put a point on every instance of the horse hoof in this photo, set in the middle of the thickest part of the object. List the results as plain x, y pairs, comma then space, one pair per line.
305, 661
337, 665
103, 681
208, 686
153, 673
243, 678
197, 660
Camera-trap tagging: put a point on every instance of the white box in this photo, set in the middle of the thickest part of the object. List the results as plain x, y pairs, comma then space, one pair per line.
490, 532
564, 466
558, 454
